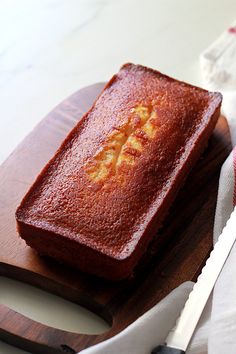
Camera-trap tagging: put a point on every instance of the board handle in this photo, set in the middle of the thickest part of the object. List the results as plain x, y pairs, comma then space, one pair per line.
32, 336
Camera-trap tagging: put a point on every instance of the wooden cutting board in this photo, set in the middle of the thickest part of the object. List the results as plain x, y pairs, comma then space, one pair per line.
186, 235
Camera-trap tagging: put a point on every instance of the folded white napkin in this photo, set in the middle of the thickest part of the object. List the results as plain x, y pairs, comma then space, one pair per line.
218, 65
216, 331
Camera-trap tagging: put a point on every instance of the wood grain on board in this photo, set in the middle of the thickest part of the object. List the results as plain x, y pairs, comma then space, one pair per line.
186, 239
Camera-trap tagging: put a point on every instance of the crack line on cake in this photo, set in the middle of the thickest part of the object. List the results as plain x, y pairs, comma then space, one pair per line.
124, 144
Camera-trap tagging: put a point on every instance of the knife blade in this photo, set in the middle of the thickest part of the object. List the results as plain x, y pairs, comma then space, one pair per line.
179, 337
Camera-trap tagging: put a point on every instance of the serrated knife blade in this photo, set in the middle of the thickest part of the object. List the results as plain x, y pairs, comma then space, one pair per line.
179, 337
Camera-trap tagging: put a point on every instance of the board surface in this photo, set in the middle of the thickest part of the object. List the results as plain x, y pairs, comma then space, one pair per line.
186, 235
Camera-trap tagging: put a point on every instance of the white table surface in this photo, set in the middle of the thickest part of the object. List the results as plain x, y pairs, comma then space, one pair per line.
51, 48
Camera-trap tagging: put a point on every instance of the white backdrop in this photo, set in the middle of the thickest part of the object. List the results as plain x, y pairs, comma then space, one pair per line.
51, 48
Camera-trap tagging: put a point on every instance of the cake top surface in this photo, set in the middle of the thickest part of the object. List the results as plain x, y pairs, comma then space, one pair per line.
112, 172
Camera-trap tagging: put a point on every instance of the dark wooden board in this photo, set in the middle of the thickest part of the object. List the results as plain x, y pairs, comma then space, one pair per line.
186, 235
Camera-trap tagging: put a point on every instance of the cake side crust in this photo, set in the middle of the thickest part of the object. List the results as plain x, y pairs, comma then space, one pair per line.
121, 161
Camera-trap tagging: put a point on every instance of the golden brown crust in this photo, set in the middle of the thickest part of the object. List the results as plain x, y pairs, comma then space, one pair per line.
115, 176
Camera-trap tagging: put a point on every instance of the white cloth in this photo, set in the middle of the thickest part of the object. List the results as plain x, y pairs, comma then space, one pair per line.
218, 65
149, 330
216, 330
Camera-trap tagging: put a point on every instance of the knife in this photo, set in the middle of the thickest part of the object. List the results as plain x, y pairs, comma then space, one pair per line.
179, 337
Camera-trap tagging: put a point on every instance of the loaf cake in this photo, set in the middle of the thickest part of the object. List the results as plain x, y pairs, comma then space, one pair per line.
100, 200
